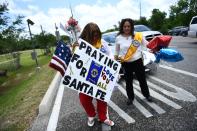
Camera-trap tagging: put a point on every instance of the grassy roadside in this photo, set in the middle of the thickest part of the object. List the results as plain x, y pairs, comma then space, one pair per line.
21, 93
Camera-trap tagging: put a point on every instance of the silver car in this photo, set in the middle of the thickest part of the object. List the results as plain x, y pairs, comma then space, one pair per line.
147, 33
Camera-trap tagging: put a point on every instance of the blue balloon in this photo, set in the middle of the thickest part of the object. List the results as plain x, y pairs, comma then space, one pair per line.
169, 55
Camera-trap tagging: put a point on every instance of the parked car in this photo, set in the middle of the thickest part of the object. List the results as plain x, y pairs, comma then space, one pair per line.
184, 31
147, 33
192, 32
110, 37
178, 30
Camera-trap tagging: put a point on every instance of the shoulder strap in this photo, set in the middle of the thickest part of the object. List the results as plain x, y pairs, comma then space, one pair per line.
133, 47
138, 36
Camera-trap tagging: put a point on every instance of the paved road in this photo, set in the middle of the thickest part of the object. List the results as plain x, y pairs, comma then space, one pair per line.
174, 90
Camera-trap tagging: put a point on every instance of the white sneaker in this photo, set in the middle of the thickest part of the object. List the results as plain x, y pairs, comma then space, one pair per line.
90, 121
109, 122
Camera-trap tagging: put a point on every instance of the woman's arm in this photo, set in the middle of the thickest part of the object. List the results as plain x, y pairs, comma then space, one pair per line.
117, 49
144, 44
107, 48
74, 45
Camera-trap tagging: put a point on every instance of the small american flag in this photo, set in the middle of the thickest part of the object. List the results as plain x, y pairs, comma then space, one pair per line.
61, 57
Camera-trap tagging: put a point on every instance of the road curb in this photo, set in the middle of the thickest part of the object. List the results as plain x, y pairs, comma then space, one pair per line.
47, 100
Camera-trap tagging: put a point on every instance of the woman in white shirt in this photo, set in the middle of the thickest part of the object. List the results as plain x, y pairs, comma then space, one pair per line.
131, 58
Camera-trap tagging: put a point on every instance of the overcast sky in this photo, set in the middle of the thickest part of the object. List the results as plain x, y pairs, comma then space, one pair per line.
105, 13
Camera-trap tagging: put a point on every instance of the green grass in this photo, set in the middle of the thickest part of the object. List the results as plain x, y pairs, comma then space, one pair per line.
5, 57
7, 60
22, 91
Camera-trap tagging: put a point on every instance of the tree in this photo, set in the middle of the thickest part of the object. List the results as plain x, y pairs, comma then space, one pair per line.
3, 23
182, 12
10, 30
157, 19
64, 38
142, 21
9, 33
24, 43
193, 6
45, 41
3, 17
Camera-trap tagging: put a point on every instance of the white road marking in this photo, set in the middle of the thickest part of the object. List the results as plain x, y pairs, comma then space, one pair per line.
179, 93
56, 109
121, 112
178, 70
140, 107
151, 104
161, 98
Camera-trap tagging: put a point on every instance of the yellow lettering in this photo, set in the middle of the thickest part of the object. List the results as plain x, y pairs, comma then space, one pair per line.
102, 85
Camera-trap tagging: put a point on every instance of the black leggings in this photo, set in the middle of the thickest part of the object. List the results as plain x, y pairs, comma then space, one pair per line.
138, 68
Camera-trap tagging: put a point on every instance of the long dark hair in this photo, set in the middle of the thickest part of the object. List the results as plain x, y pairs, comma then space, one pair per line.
122, 24
89, 31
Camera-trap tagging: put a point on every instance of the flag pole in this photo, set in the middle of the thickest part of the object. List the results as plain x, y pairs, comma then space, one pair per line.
72, 16
71, 10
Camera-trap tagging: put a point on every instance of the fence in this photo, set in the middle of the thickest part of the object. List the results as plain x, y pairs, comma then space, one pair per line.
11, 64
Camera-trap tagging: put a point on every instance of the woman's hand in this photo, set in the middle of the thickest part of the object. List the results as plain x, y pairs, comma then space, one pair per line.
117, 58
75, 44
151, 51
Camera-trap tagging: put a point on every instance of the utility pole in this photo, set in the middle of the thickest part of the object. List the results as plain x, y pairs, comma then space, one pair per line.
57, 33
47, 50
42, 30
33, 54
140, 11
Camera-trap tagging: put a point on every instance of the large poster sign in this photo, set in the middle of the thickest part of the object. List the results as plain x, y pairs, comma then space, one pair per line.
91, 72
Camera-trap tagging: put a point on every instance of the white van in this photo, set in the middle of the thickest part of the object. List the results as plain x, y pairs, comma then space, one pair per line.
192, 32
